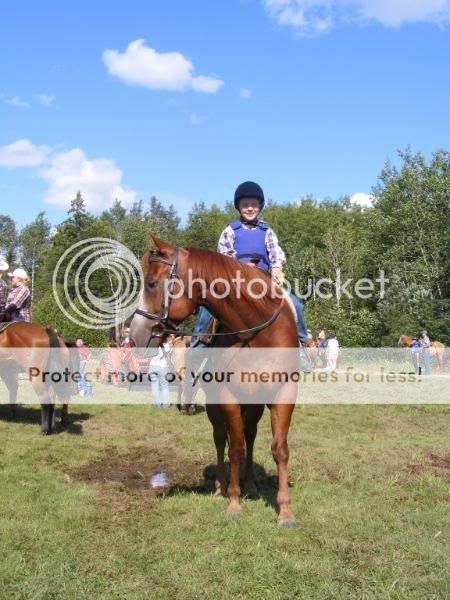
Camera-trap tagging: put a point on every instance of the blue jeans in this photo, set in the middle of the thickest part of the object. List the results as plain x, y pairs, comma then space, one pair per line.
16, 317
426, 361
158, 379
203, 319
82, 375
301, 327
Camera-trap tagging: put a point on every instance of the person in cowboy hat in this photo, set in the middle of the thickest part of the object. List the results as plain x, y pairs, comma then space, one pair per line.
3, 287
252, 241
19, 298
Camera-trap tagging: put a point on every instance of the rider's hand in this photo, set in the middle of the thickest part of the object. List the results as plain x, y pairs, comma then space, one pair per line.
278, 275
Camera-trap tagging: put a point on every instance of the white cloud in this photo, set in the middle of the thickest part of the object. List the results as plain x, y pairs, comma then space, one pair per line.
23, 153
98, 180
312, 17
14, 101
361, 199
245, 94
45, 100
141, 65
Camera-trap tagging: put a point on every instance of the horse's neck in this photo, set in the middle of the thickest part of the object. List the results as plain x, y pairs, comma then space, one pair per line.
231, 311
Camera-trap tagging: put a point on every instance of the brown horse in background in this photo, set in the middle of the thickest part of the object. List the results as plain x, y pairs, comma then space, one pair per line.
236, 416
25, 346
437, 349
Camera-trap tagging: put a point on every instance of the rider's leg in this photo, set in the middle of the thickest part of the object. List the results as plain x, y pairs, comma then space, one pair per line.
203, 319
301, 327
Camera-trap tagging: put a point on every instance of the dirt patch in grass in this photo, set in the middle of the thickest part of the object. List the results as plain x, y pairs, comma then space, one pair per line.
438, 465
127, 478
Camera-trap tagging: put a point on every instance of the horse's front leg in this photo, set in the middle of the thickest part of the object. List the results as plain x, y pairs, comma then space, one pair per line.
217, 419
252, 415
236, 450
280, 419
47, 407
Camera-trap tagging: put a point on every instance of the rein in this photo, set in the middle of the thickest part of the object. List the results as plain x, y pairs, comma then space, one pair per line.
166, 326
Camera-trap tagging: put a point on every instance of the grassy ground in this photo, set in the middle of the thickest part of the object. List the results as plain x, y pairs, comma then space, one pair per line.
370, 491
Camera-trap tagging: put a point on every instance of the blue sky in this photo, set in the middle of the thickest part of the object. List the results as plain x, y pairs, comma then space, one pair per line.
185, 100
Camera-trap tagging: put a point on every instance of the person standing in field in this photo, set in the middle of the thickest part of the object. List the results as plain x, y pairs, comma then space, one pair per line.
157, 373
332, 352
425, 343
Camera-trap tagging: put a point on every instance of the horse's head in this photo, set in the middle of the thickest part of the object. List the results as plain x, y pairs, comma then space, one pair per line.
163, 302
404, 341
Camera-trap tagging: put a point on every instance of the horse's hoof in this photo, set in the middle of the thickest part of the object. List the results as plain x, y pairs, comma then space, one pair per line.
191, 410
287, 523
235, 514
45, 432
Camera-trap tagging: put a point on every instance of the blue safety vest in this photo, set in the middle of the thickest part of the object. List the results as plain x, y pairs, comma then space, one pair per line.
250, 244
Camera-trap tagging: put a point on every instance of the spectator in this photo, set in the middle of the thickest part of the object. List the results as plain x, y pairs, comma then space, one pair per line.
321, 336
18, 301
84, 354
157, 374
425, 343
332, 352
415, 350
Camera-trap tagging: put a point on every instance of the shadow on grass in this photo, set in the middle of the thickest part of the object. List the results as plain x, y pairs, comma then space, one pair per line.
27, 414
266, 485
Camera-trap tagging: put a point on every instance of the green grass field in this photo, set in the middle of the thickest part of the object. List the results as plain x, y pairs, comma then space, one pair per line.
370, 490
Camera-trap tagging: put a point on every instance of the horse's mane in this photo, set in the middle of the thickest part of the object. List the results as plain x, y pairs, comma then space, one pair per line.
208, 265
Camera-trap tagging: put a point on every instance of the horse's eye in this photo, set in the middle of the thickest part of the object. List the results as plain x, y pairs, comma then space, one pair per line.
150, 285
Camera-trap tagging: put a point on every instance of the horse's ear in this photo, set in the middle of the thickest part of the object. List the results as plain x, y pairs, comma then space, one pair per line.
161, 247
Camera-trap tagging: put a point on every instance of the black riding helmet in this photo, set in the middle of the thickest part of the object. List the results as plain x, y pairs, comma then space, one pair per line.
248, 189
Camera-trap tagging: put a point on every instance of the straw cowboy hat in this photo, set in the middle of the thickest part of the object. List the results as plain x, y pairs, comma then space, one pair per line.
3, 264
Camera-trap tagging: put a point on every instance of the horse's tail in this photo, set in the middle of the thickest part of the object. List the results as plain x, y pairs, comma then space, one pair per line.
60, 369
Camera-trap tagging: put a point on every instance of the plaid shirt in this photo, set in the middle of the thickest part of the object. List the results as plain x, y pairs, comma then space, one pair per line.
19, 297
3, 294
277, 257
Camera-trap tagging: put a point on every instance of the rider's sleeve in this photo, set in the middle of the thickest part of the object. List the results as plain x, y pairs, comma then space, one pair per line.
226, 242
17, 297
277, 257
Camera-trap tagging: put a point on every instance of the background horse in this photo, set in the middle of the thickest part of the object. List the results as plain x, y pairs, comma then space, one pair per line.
437, 349
265, 322
25, 346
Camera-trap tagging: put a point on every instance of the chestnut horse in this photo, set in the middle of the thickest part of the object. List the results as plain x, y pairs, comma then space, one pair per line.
25, 346
267, 323
437, 349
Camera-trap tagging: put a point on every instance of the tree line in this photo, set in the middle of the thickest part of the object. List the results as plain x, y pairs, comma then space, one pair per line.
405, 234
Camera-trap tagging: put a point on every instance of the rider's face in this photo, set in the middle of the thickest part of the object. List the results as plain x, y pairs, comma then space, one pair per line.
249, 208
